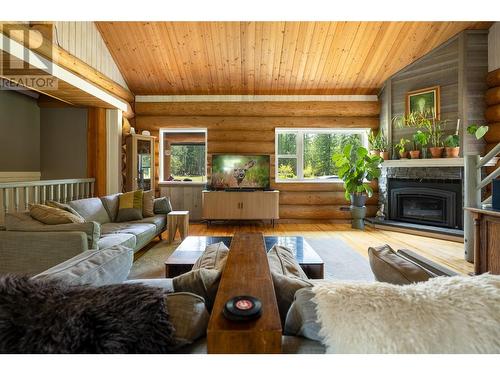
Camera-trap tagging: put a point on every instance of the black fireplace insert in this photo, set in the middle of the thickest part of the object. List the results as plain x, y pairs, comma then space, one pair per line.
428, 202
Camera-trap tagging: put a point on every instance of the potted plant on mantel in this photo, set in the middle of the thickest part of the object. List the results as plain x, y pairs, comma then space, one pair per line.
384, 148
378, 145
357, 169
432, 125
373, 143
401, 148
419, 138
452, 146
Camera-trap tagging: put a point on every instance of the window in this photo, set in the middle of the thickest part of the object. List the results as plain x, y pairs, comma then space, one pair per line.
183, 155
306, 154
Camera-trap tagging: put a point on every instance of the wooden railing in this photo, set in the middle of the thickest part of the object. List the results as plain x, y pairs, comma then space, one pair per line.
473, 185
17, 196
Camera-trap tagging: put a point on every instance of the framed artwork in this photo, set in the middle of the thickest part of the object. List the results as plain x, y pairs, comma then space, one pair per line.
424, 100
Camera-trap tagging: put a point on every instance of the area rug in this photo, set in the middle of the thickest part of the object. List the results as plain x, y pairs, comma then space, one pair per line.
341, 261
151, 265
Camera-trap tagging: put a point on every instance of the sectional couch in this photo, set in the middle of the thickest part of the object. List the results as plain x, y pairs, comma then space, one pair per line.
193, 296
28, 246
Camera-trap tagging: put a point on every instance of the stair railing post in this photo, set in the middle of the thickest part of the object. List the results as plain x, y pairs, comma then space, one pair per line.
472, 198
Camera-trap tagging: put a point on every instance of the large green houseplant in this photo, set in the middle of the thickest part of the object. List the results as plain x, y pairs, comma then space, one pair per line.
357, 169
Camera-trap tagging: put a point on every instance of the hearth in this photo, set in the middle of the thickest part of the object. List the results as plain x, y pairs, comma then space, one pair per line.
428, 202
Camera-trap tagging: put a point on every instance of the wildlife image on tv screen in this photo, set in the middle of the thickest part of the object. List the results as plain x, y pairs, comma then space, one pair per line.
240, 171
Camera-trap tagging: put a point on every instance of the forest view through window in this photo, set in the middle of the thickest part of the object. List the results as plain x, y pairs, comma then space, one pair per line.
306, 154
184, 155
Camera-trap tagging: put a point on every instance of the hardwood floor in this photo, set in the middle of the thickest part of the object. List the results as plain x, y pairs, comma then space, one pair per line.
449, 254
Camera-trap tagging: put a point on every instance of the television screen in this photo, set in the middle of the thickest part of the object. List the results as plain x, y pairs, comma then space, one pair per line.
240, 171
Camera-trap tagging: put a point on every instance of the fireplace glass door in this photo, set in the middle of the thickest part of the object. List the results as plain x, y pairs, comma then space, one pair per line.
422, 208
427, 206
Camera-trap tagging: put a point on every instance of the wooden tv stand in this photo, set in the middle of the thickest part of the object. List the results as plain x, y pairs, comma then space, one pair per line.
240, 205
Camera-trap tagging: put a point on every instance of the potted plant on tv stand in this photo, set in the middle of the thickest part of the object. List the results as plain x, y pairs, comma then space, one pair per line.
357, 169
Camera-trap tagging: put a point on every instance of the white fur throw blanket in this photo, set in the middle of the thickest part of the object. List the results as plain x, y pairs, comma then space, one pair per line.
442, 315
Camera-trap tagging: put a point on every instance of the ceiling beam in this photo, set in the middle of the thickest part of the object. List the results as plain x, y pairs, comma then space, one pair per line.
71, 82
65, 60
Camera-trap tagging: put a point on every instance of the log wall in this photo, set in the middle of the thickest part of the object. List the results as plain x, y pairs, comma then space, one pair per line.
245, 127
492, 113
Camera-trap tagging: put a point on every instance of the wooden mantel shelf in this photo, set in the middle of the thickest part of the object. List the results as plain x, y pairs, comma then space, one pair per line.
425, 163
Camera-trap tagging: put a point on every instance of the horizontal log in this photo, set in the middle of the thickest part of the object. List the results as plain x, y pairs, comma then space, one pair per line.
254, 123
318, 198
492, 113
259, 109
493, 134
185, 137
241, 147
492, 96
319, 212
493, 78
241, 135
311, 186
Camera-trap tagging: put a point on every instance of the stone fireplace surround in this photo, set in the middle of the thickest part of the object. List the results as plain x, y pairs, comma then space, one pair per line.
416, 173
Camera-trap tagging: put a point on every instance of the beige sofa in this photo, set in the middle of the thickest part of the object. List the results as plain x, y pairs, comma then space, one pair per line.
28, 246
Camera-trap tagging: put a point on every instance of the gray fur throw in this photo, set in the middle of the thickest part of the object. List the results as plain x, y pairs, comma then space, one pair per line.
46, 316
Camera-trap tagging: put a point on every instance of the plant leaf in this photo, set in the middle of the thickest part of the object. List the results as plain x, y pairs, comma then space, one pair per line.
481, 131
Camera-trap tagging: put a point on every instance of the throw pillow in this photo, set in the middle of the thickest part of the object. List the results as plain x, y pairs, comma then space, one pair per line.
162, 206
63, 206
388, 266
285, 288
130, 206
214, 257
301, 319
91, 209
107, 319
148, 203
282, 261
111, 204
202, 282
457, 314
188, 315
52, 216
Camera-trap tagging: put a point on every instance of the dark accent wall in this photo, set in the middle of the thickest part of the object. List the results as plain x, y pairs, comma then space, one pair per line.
63, 143
19, 133
459, 67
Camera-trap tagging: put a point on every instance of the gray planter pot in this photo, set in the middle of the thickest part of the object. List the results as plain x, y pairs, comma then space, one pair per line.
358, 200
358, 210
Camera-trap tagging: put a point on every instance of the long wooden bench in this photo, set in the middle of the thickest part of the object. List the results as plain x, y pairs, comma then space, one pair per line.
246, 273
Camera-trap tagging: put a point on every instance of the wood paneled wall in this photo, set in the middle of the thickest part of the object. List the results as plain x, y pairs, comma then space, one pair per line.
96, 149
83, 40
250, 128
458, 67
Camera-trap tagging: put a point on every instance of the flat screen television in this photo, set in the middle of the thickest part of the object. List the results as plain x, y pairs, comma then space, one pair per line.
240, 172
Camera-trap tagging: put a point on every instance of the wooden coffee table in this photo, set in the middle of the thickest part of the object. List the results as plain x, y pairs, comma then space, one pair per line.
183, 258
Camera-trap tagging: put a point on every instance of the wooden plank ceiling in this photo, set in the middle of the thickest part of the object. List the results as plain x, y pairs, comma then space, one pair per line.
263, 58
